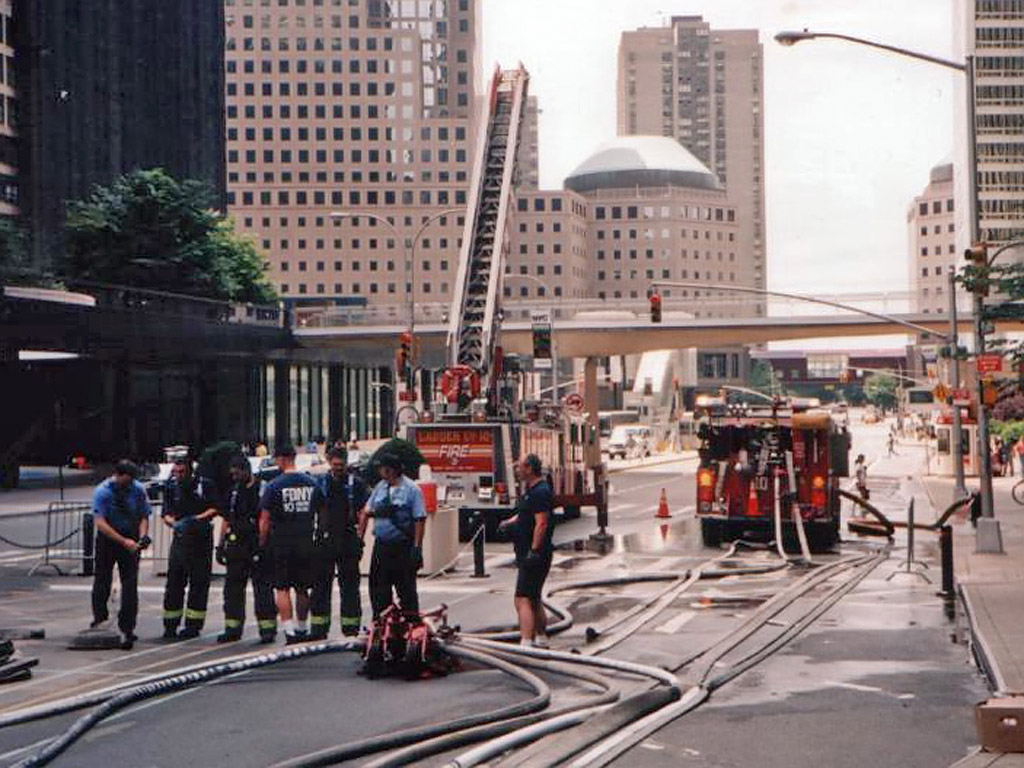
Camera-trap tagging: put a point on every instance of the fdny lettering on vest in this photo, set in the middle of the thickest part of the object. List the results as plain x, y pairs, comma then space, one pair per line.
297, 500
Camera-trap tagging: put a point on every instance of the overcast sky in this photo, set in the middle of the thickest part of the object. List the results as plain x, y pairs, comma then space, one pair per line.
851, 133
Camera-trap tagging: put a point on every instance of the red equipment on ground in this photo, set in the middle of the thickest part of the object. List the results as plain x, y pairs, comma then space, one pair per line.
398, 646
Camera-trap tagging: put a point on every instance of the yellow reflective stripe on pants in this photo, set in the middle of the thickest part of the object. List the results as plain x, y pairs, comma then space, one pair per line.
267, 623
350, 621
232, 623
173, 614
318, 621
193, 614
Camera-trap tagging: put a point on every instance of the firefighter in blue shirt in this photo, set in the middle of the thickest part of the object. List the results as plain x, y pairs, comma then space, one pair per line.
399, 516
188, 509
339, 548
238, 551
122, 512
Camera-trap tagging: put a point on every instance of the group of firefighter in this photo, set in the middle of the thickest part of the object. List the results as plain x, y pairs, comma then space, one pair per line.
290, 537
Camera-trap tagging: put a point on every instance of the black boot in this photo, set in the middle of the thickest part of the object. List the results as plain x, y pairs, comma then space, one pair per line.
229, 636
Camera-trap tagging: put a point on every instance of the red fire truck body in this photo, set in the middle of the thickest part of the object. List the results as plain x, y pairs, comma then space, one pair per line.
751, 461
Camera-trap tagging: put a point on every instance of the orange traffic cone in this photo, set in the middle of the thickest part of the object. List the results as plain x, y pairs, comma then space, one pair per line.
663, 506
753, 505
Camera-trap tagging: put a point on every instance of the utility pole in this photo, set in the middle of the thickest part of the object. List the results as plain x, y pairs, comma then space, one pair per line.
959, 489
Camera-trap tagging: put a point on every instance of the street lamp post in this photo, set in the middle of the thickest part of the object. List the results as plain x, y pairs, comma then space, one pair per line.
994, 538
554, 345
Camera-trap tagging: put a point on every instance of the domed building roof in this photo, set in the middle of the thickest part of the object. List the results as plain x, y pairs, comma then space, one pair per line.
644, 161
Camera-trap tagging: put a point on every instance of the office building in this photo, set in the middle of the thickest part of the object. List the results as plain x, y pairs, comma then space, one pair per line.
8, 114
106, 88
704, 87
931, 233
993, 32
548, 259
363, 109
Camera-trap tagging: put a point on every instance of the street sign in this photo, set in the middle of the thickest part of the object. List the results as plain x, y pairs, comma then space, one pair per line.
962, 396
990, 363
574, 403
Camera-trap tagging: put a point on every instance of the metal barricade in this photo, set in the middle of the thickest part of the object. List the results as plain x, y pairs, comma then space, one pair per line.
69, 537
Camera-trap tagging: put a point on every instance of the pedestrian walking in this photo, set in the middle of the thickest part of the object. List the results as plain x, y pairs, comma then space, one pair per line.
339, 548
399, 517
288, 510
239, 552
861, 477
121, 510
1018, 449
532, 528
189, 508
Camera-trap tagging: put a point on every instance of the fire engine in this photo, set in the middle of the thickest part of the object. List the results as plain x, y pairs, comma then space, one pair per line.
765, 470
475, 423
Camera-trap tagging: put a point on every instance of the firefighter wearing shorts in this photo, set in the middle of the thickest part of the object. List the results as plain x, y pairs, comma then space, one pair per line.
338, 549
399, 518
289, 508
188, 509
239, 552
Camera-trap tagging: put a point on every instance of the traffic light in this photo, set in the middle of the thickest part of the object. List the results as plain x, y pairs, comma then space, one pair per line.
977, 257
655, 307
403, 357
542, 341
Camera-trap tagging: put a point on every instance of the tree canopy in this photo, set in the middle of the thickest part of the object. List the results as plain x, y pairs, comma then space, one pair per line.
880, 390
152, 231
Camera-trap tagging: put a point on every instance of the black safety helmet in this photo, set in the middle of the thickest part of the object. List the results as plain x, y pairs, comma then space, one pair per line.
238, 462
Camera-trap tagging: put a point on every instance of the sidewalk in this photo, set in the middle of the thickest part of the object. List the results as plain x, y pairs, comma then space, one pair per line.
992, 586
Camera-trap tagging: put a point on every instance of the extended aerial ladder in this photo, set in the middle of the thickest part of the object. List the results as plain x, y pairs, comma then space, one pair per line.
475, 320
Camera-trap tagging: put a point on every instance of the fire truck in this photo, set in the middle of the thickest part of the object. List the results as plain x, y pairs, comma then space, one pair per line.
764, 471
475, 423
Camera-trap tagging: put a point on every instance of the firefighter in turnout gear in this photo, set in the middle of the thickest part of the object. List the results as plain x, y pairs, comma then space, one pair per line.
239, 552
338, 548
188, 509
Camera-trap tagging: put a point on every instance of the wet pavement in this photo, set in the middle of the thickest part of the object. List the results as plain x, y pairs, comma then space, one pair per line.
883, 678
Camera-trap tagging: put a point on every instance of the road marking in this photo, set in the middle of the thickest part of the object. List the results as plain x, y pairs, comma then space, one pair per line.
673, 625
29, 748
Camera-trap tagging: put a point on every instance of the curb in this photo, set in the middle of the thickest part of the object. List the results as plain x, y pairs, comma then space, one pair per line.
979, 646
658, 463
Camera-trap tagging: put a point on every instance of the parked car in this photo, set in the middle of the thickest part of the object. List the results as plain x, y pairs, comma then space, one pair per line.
630, 441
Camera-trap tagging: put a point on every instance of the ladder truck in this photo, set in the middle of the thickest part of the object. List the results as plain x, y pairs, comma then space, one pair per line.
477, 425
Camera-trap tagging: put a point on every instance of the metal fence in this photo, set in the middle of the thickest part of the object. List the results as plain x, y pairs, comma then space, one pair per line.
70, 538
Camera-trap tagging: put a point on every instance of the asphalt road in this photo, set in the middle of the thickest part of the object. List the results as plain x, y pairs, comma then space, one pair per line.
876, 681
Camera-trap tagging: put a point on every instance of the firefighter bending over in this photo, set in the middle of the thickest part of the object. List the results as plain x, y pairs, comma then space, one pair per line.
399, 514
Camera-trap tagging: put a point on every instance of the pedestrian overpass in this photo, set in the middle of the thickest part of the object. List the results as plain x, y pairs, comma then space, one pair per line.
584, 336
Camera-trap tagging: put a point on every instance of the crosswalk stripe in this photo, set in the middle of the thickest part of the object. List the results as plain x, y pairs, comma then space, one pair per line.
676, 622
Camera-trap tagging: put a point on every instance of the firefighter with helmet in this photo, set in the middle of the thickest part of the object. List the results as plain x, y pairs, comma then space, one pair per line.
189, 507
339, 548
399, 517
239, 552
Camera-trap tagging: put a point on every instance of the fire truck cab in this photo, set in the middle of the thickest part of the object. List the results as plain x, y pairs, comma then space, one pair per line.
759, 465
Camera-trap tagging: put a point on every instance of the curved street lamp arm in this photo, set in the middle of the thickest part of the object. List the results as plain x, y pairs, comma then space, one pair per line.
791, 38
801, 297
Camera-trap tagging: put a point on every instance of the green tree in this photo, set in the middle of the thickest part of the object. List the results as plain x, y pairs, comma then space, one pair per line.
764, 379
13, 248
880, 390
150, 230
